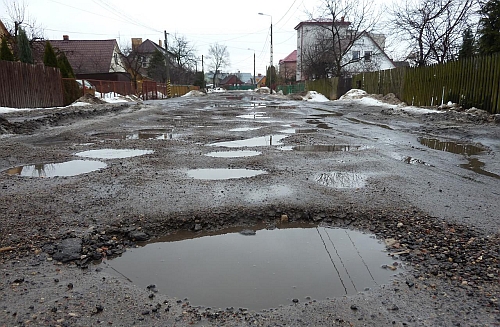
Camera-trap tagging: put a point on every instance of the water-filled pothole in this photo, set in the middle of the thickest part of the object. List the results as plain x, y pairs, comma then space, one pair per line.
223, 173
319, 124
476, 166
254, 141
327, 148
299, 131
233, 154
113, 153
68, 168
254, 115
358, 121
262, 269
341, 179
145, 134
244, 129
448, 146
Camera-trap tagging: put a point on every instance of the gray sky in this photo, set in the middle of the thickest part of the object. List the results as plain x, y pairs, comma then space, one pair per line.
235, 24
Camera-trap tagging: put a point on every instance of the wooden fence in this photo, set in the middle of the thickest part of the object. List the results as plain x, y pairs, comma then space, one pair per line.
473, 82
29, 86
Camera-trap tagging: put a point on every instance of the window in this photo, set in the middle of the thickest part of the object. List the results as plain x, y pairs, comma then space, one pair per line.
355, 55
368, 56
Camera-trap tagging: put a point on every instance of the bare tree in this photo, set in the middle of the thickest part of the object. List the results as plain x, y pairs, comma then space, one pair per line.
218, 57
340, 26
133, 62
18, 16
183, 52
433, 28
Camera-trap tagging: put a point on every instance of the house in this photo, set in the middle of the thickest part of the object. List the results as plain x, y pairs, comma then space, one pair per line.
288, 67
91, 59
230, 80
3, 31
260, 80
362, 51
143, 51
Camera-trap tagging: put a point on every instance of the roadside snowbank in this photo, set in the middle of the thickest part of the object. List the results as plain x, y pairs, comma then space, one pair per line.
314, 96
193, 93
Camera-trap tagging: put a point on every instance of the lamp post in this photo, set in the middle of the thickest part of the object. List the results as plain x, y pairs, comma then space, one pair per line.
253, 79
270, 67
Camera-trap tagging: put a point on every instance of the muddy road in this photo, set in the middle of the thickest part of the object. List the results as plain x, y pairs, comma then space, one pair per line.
81, 187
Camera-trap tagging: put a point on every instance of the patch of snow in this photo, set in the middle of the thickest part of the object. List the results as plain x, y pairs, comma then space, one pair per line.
79, 104
354, 94
113, 97
194, 93
5, 110
263, 90
216, 90
314, 96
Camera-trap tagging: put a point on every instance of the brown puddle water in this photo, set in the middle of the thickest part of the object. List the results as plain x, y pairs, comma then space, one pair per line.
468, 150
327, 148
357, 121
268, 140
260, 271
68, 168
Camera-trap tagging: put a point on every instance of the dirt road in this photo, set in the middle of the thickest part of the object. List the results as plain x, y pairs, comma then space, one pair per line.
426, 182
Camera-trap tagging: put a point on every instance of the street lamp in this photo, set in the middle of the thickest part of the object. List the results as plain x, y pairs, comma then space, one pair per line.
253, 79
271, 67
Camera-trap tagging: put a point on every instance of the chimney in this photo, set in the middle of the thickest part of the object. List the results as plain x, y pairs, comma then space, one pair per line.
159, 43
66, 37
136, 42
342, 19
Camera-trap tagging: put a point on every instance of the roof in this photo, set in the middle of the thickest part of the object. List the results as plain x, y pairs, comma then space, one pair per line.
231, 79
87, 56
149, 46
323, 22
292, 57
3, 30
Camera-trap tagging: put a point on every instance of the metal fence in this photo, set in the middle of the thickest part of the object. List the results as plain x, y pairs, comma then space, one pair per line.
293, 88
29, 86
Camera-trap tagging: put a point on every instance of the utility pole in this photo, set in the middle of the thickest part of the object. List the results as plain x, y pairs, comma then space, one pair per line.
167, 63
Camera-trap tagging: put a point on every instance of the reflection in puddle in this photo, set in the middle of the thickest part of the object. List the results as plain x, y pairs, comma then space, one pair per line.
254, 141
113, 153
244, 129
299, 131
357, 121
233, 154
453, 147
146, 134
341, 180
327, 148
477, 166
254, 115
69, 168
260, 271
223, 173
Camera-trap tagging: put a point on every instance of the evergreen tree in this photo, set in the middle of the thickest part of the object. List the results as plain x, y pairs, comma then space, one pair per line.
24, 49
5, 53
64, 66
271, 77
468, 48
157, 69
49, 56
489, 40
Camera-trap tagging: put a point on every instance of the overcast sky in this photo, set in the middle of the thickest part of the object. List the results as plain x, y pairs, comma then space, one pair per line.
235, 24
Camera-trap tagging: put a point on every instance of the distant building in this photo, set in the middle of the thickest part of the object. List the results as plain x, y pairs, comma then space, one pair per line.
230, 80
90, 59
365, 54
288, 67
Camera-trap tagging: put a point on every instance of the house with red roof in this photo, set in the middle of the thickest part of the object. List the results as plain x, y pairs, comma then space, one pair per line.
231, 80
288, 67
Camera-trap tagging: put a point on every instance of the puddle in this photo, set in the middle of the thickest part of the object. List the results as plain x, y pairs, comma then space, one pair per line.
233, 154
476, 166
68, 168
319, 124
254, 115
260, 271
327, 148
113, 153
453, 147
223, 173
244, 129
146, 134
299, 131
268, 140
341, 179
357, 121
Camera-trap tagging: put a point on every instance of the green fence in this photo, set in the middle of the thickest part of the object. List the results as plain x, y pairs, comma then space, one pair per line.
244, 87
289, 89
473, 82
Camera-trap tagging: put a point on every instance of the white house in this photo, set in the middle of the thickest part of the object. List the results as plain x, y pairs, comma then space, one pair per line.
360, 53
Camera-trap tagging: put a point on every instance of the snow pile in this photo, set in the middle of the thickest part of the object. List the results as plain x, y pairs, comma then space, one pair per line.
263, 90
354, 94
113, 97
194, 93
314, 96
216, 90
